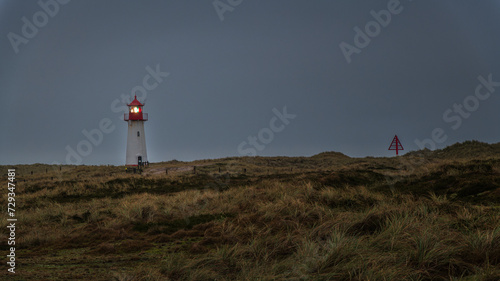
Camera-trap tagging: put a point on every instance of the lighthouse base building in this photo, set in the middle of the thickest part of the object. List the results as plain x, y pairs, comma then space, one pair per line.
136, 138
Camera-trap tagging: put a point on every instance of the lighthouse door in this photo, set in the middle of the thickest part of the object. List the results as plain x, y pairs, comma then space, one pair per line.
139, 160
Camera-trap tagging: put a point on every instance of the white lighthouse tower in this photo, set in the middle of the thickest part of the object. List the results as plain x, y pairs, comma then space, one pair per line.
136, 139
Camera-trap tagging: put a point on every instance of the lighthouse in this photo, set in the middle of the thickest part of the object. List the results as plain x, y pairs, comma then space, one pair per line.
136, 139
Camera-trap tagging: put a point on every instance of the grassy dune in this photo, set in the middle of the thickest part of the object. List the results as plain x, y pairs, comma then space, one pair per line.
423, 216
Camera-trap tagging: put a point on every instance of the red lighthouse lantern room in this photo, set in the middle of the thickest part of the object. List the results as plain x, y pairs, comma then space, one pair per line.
135, 111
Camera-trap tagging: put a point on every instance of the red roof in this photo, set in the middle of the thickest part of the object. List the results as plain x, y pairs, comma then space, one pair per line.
135, 102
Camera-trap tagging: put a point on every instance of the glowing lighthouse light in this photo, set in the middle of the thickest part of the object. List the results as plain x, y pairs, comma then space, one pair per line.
136, 139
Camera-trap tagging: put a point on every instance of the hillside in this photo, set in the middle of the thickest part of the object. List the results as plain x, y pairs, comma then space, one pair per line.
466, 150
423, 216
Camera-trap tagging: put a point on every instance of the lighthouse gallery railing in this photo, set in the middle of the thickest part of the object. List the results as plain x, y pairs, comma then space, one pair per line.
135, 116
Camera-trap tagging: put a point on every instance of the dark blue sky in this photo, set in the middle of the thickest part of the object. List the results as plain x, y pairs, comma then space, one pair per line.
65, 68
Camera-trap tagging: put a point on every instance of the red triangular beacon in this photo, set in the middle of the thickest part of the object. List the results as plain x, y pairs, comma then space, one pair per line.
396, 145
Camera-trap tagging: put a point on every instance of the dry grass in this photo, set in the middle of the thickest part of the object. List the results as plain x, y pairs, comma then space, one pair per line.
327, 217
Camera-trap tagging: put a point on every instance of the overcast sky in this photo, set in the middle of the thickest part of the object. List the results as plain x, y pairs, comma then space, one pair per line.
349, 76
